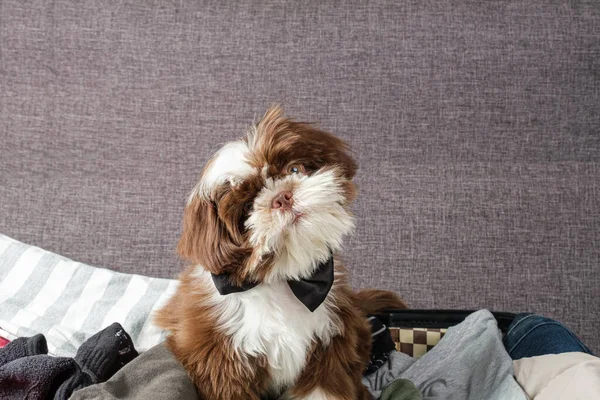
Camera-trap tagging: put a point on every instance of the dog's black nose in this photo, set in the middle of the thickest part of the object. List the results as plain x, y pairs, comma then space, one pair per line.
284, 200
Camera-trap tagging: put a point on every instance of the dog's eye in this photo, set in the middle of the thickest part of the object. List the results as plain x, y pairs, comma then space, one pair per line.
248, 207
295, 169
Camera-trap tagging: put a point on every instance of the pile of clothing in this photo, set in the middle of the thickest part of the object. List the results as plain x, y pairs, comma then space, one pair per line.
472, 361
28, 372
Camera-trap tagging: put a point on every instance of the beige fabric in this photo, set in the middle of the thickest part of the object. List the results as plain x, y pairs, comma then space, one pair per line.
572, 376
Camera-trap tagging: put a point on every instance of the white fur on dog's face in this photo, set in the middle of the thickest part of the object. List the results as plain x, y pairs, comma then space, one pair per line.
252, 172
306, 235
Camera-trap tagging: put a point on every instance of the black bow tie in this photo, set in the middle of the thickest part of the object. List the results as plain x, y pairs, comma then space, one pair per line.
311, 291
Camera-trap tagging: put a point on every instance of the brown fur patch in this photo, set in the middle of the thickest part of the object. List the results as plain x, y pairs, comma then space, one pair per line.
373, 301
206, 240
218, 372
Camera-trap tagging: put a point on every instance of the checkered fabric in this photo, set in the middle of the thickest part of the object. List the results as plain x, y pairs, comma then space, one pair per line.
416, 341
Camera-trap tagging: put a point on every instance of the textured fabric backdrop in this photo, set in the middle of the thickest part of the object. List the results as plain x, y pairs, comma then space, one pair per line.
476, 124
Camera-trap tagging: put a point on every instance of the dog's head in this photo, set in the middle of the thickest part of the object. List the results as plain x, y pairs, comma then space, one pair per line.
272, 205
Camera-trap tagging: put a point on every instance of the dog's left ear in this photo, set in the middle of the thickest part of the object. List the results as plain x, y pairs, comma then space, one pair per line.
205, 239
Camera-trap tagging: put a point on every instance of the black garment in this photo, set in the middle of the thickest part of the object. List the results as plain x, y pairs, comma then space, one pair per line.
27, 372
382, 345
23, 347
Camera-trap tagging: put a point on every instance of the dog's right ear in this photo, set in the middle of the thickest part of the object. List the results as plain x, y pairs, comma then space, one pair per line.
197, 219
206, 241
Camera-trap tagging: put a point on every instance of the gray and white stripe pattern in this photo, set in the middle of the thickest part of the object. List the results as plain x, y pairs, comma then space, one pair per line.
67, 301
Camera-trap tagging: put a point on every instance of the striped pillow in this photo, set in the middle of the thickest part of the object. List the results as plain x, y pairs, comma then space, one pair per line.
67, 301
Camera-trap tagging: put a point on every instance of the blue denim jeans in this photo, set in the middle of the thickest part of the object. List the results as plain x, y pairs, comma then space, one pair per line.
531, 335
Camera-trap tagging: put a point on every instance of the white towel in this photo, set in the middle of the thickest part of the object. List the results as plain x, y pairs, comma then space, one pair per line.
67, 301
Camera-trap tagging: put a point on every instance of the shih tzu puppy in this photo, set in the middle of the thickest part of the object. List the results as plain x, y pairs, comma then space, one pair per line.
265, 311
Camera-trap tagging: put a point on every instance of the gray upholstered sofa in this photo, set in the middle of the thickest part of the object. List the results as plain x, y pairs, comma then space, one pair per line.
476, 125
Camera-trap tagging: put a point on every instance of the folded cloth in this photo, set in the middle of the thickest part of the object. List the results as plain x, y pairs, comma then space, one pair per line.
27, 372
469, 363
23, 347
106, 352
573, 376
68, 302
99, 357
154, 375
35, 377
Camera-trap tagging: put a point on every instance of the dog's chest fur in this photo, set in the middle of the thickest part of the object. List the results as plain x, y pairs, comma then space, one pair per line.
269, 321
